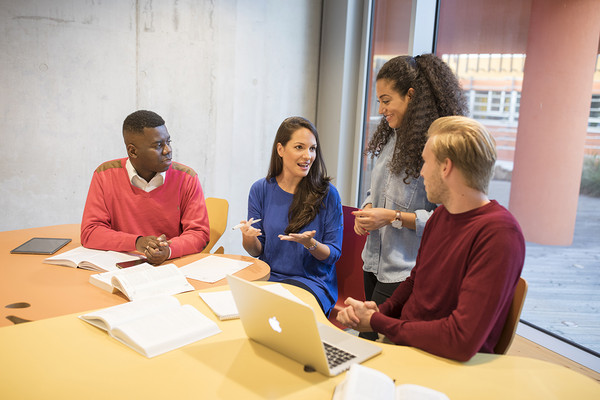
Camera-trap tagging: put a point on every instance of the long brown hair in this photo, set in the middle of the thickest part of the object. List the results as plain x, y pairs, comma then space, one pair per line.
437, 94
313, 188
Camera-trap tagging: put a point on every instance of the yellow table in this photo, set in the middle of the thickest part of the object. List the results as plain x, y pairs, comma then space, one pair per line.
53, 290
65, 357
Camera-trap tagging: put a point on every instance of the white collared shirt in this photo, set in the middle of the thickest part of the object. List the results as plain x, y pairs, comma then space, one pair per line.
157, 180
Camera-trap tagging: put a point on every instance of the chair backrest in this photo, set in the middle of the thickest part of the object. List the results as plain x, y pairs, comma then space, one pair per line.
349, 267
512, 320
218, 210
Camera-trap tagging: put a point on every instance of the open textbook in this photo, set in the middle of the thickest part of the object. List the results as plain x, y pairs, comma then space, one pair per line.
154, 325
143, 280
223, 305
93, 260
364, 383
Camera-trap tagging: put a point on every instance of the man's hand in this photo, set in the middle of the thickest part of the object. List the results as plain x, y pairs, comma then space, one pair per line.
358, 314
156, 249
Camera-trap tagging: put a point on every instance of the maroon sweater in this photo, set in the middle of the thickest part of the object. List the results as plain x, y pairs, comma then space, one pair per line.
456, 300
116, 212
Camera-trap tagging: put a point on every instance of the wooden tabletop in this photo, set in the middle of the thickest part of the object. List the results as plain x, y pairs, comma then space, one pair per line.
31, 290
65, 357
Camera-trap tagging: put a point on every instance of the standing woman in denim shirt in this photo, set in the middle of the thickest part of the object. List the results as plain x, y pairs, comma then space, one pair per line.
412, 93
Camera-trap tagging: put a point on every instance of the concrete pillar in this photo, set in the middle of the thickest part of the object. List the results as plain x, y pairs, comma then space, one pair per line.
562, 47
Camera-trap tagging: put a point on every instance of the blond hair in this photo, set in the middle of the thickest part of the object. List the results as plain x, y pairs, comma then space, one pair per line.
469, 146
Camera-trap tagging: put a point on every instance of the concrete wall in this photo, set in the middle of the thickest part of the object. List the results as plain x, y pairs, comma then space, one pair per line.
223, 74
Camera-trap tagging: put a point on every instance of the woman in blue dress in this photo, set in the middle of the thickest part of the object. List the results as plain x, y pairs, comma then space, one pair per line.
295, 219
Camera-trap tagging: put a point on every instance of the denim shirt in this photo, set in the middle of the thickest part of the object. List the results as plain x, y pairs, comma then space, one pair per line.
390, 253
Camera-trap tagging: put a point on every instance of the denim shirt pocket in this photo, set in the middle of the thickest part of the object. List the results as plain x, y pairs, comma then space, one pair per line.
399, 195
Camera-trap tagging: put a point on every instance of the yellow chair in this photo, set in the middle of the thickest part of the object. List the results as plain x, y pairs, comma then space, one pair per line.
217, 217
512, 320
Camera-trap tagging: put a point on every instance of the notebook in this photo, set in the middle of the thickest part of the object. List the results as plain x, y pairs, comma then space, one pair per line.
290, 328
222, 304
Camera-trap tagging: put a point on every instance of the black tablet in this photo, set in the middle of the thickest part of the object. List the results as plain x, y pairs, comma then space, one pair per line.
40, 246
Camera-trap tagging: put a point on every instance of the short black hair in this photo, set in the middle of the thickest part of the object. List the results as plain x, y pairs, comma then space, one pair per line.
137, 121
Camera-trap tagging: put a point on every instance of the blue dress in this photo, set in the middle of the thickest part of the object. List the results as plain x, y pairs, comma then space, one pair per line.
290, 260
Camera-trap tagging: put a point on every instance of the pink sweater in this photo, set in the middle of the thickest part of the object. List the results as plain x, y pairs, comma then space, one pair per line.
455, 302
116, 212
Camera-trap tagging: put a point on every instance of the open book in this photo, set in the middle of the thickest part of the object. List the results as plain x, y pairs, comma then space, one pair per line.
223, 305
154, 325
363, 383
142, 281
93, 260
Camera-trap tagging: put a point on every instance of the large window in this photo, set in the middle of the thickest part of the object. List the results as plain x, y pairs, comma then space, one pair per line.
389, 38
484, 42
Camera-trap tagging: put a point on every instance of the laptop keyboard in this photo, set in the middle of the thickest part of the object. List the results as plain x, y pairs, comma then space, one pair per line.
336, 356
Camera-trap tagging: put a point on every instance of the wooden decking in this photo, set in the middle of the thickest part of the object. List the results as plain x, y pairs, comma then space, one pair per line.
564, 281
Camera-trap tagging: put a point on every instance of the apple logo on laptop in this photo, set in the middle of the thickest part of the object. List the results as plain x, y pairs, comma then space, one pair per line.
275, 324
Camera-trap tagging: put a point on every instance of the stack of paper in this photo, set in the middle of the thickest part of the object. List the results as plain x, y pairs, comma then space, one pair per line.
223, 305
213, 268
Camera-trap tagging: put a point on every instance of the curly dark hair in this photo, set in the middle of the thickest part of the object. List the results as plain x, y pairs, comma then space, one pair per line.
138, 120
437, 93
313, 188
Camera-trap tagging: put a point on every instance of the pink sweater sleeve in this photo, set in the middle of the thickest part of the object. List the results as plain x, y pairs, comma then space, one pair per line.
96, 231
194, 222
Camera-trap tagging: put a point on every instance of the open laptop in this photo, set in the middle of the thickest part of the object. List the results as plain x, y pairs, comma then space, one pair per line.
290, 328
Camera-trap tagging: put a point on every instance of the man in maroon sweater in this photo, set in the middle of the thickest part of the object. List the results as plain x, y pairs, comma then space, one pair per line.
456, 300
146, 202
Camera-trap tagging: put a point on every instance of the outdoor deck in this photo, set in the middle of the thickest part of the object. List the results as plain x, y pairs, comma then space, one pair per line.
564, 281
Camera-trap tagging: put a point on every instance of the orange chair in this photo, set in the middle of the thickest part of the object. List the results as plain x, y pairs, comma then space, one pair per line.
512, 320
349, 266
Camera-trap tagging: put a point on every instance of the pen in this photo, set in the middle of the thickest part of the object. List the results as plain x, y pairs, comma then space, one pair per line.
238, 226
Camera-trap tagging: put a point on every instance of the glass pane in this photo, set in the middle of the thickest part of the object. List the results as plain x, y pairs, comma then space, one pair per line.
390, 32
564, 281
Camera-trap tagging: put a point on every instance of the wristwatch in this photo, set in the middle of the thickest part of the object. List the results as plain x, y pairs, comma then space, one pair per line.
397, 222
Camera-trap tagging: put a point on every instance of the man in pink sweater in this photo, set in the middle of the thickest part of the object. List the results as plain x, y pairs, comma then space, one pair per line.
456, 300
145, 202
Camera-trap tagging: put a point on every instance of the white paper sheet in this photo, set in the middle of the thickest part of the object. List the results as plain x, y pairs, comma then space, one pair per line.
213, 268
